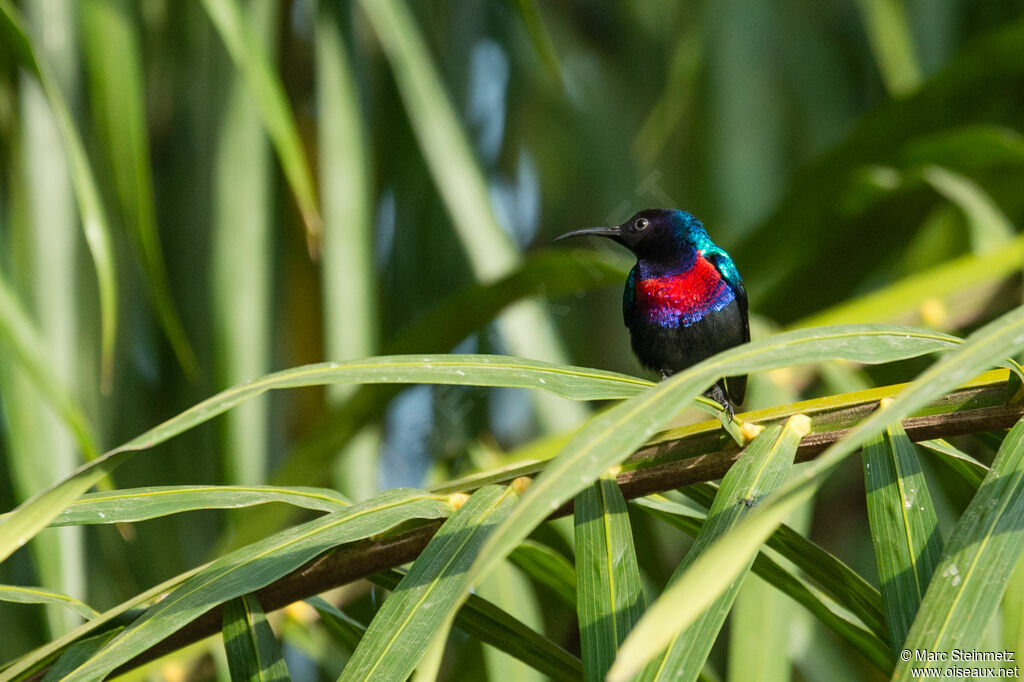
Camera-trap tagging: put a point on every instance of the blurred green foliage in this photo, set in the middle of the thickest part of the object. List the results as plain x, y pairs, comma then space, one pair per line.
278, 183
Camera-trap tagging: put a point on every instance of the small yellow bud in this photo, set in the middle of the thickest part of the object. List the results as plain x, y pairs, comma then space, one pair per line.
615, 470
750, 430
799, 423
521, 484
456, 500
885, 402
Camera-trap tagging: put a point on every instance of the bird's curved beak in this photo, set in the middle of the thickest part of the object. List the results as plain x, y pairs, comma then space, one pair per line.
610, 232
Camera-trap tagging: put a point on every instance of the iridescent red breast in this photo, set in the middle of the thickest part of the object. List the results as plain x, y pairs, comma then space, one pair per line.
683, 298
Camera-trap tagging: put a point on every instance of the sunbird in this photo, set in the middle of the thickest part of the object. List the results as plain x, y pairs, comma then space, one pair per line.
684, 299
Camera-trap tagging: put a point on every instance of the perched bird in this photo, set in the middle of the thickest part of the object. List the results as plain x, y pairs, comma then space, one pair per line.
684, 299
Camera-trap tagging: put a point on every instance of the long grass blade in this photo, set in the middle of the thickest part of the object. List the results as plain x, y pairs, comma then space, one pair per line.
43, 262
439, 330
611, 437
547, 567
969, 82
252, 650
541, 38
350, 284
250, 568
610, 599
399, 633
37, 659
117, 94
23, 341
241, 257
94, 220
483, 620
468, 370
343, 628
988, 226
893, 44
761, 469
976, 566
901, 301
847, 587
463, 187
511, 592
714, 571
254, 65
832, 614
969, 469
38, 595
78, 653
128, 505
904, 528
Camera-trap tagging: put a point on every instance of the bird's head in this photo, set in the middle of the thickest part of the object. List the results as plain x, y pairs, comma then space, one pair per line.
652, 234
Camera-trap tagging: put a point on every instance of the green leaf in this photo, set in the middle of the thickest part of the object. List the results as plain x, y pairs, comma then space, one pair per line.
833, 615
399, 634
483, 620
37, 595
979, 558
612, 436
892, 42
490, 249
903, 299
114, 66
268, 92
344, 629
511, 591
1012, 621
610, 599
243, 215
445, 147
989, 227
970, 148
252, 650
20, 335
35, 660
139, 504
430, 662
762, 623
250, 568
473, 307
841, 582
712, 573
574, 383
904, 528
760, 470
467, 370
78, 653
547, 567
351, 310
975, 79
969, 469
825, 610
94, 219
540, 38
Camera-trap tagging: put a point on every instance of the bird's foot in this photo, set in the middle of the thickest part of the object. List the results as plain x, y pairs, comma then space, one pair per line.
733, 426
717, 393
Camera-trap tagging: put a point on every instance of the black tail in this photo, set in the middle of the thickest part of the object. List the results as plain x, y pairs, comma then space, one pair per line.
737, 389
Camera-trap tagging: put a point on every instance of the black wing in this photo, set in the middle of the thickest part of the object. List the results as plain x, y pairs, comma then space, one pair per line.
736, 386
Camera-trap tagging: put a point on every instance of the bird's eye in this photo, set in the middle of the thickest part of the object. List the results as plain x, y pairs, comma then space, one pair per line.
641, 223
